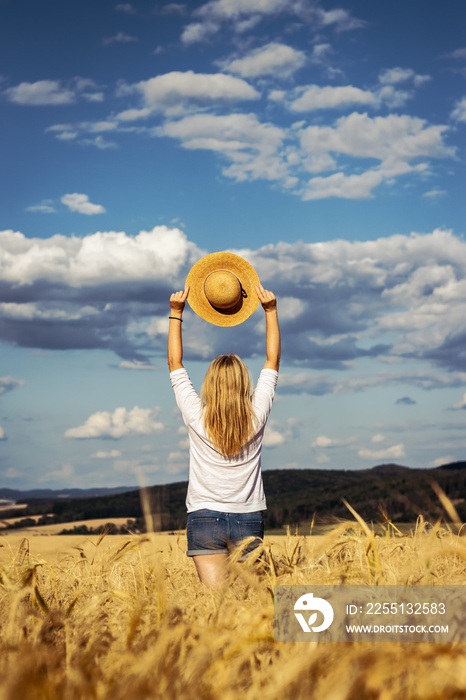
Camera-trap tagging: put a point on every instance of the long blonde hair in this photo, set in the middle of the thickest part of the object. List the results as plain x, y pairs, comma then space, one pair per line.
227, 408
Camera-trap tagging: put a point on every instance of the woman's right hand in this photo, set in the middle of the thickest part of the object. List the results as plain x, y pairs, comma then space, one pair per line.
266, 298
178, 299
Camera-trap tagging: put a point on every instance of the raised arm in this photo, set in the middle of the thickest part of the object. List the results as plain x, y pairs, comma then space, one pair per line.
175, 339
272, 330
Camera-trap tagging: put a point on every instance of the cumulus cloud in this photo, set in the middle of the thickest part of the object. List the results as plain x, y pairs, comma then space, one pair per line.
394, 452
440, 461
2, 434
68, 292
53, 92
9, 384
457, 53
128, 364
44, 208
81, 204
459, 113
96, 259
398, 145
308, 98
396, 298
460, 405
125, 7
62, 474
348, 158
120, 38
325, 441
313, 97
173, 93
253, 148
273, 438
272, 59
112, 454
393, 76
243, 15
120, 423
398, 142
405, 401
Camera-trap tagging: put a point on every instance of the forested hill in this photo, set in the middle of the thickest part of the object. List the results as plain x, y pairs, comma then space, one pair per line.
293, 496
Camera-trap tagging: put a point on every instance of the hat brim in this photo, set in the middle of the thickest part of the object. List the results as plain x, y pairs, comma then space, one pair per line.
247, 276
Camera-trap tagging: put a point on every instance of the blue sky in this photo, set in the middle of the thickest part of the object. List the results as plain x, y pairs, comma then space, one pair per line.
324, 142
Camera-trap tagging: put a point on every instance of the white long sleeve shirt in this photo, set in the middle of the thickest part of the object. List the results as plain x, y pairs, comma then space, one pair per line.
216, 482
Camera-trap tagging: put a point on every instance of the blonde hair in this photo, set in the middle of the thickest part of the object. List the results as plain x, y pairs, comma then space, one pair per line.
227, 407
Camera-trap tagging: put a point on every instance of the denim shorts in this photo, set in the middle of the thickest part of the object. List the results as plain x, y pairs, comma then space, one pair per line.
213, 532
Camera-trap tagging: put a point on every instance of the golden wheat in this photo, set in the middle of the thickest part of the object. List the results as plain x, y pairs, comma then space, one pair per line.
115, 618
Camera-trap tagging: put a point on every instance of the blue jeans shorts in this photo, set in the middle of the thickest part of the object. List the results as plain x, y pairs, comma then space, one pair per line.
213, 532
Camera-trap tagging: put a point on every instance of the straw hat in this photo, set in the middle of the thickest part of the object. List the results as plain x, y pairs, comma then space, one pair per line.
222, 289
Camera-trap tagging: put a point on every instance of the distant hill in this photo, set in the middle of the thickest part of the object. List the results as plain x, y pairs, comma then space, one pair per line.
293, 497
23, 496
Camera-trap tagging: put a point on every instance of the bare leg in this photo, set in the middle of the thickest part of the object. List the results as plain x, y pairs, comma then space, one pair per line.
211, 568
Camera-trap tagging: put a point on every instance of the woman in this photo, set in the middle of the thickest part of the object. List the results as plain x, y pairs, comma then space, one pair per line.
226, 426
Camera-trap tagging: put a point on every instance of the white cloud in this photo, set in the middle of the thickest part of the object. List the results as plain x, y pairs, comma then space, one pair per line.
391, 139
394, 452
308, 98
173, 93
45, 208
458, 53
291, 308
129, 364
125, 7
120, 38
100, 143
42, 92
459, 113
112, 454
273, 438
393, 76
253, 147
9, 384
435, 194
312, 97
98, 258
395, 298
272, 59
440, 461
137, 467
64, 473
323, 459
53, 92
398, 145
2, 433
81, 204
319, 385
342, 19
35, 311
177, 456
378, 438
198, 31
325, 441
395, 141
245, 14
232, 9
120, 423
320, 52
460, 405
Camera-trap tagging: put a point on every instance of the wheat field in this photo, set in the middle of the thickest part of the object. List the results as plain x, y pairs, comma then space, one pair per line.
125, 618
